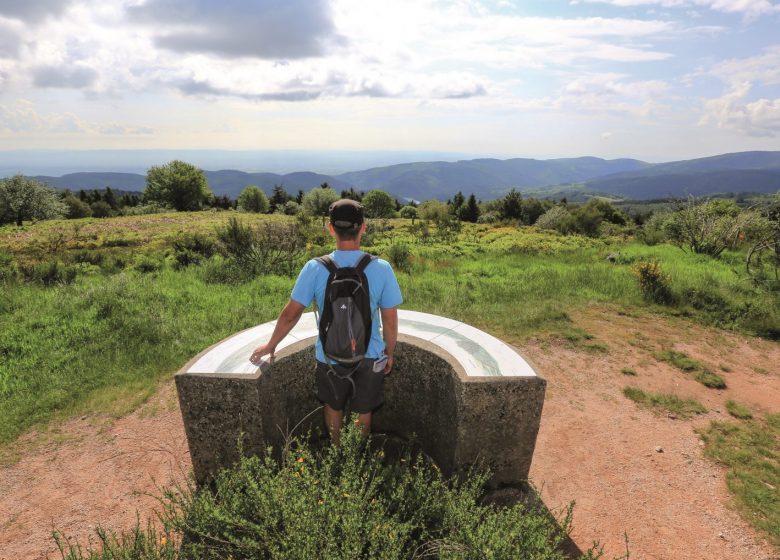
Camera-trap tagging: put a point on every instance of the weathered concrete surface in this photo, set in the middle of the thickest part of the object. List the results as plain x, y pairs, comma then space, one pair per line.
457, 419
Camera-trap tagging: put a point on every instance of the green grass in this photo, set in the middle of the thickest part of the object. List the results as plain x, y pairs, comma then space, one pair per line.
684, 408
738, 410
751, 451
628, 371
710, 379
680, 360
683, 362
104, 343
129, 319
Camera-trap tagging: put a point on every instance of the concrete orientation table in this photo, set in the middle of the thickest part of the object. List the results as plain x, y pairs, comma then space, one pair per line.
464, 394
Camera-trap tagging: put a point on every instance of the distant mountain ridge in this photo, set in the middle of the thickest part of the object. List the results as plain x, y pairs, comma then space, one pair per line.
757, 172
486, 178
491, 178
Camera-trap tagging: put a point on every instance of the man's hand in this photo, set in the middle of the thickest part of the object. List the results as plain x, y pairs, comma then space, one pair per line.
284, 324
389, 365
260, 351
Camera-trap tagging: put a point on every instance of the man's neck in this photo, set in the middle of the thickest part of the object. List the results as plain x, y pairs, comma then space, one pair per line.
351, 245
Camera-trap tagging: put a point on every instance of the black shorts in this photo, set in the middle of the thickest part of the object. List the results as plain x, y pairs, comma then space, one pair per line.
365, 393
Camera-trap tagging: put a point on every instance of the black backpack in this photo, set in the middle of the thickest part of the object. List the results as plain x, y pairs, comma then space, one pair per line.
345, 324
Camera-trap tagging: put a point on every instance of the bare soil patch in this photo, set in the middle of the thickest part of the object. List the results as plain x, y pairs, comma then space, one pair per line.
599, 448
595, 447
92, 471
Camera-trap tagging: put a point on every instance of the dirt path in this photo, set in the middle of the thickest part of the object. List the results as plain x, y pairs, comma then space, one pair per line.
595, 447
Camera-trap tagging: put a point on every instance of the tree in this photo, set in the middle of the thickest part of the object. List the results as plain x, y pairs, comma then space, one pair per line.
299, 197
101, 209
557, 217
76, 207
409, 212
317, 201
352, 194
252, 199
469, 212
434, 210
110, 198
22, 199
222, 201
291, 208
531, 209
457, 201
279, 198
177, 184
511, 205
378, 204
710, 227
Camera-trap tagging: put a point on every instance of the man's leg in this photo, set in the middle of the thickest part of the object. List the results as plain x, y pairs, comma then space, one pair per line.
333, 420
364, 421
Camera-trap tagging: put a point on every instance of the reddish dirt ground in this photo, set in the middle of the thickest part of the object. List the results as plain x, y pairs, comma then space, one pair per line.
595, 447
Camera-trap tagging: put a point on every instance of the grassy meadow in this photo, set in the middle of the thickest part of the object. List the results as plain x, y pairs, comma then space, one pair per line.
96, 313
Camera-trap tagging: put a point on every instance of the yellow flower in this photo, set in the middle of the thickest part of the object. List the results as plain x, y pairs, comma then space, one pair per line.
300, 459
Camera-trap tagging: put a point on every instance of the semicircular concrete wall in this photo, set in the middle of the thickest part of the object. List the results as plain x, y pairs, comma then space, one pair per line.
462, 393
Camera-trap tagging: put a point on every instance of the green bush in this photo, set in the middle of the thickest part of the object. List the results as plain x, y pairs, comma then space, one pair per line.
49, 273
654, 282
192, 248
343, 502
8, 269
398, 254
252, 199
349, 502
101, 209
76, 208
653, 231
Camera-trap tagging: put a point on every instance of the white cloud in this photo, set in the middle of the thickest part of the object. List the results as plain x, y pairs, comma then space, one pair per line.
732, 111
22, 118
612, 93
747, 7
764, 68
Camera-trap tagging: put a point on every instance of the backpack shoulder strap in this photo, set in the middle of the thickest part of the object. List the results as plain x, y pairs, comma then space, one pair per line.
327, 262
364, 261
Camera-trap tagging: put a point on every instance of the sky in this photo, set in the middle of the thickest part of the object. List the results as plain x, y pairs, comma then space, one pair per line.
657, 80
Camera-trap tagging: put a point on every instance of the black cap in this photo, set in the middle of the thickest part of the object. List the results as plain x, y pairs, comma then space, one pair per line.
346, 214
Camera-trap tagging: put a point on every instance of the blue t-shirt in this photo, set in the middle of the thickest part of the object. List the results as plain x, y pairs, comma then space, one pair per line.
383, 289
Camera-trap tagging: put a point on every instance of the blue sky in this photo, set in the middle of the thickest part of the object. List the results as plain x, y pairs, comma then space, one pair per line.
656, 80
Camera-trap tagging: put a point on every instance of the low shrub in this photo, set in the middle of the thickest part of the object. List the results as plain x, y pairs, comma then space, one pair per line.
8, 269
48, 273
654, 282
398, 254
344, 502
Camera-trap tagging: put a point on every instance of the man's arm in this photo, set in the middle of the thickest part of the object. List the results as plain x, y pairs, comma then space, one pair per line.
284, 324
390, 334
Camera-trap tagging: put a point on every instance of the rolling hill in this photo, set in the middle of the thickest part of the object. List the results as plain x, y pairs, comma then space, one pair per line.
756, 172
486, 178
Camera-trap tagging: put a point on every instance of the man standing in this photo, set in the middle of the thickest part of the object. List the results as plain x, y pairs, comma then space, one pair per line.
362, 385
